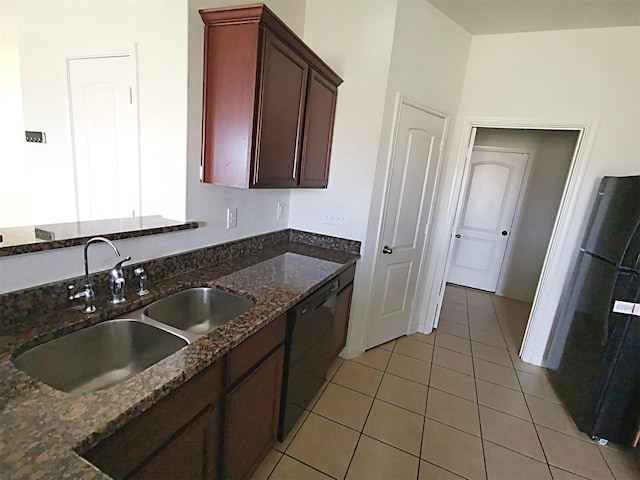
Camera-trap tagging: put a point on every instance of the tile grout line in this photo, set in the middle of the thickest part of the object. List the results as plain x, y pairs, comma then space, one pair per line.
475, 384
360, 433
535, 429
426, 402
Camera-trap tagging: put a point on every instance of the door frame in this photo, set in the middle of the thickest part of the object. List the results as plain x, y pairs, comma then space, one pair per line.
517, 213
421, 282
540, 322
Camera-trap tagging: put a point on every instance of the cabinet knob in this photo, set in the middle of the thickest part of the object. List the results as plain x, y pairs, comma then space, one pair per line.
458, 235
504, 233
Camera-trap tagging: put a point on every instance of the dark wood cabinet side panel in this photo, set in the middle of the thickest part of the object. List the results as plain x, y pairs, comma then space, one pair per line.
229, 103
243, 357
320, 113
341, 321
251, 418
123, 452
282, 98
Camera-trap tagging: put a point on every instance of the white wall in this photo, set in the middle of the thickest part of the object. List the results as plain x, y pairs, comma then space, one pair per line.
208, 203
562, 77
550, 155
155, 32
379, 48
354, 39
14, 182
205, 203
429, 59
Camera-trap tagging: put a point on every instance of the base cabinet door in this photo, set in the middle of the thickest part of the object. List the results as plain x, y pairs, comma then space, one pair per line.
251, 418
192, 454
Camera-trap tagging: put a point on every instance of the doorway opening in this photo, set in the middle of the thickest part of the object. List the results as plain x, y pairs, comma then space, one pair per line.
552, 172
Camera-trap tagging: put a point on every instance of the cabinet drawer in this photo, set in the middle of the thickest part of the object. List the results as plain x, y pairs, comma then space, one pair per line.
242, 358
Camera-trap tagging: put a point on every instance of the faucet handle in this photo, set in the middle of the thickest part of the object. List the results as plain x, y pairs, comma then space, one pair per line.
116, 282
142, 276
87, 294
118, 265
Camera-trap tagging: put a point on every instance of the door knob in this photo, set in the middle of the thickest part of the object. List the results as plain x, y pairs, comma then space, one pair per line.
387, 250
504, 233
458, 235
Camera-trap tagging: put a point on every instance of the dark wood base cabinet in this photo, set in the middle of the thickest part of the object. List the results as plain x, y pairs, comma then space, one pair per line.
251, 418
178, 437
192, 454
219, 424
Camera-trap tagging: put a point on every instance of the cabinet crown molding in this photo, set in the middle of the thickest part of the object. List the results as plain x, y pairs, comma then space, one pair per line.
261, 14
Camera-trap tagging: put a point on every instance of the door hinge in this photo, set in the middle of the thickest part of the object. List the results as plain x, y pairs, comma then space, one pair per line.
131, 95
201, 173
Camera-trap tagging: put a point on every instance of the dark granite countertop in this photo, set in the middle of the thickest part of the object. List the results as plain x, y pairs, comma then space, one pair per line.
43, 431
37, 238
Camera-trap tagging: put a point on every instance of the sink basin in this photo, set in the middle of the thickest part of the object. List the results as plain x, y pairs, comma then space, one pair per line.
98, 356
198, 310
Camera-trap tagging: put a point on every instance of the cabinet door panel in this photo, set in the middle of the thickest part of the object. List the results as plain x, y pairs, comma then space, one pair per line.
279, 126
251, 418
124, 452
320, 112
192, 454
341, 320
229, 103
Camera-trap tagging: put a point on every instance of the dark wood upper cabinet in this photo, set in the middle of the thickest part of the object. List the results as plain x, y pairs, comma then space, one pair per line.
268, 105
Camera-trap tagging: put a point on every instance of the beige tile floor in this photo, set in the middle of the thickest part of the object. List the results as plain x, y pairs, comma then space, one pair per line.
455, 404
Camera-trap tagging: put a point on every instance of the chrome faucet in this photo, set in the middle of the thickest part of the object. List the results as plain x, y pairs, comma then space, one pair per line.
116, 279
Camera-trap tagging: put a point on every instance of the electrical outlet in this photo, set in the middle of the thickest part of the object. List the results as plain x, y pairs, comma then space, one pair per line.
280, 210
232, 218
335, 217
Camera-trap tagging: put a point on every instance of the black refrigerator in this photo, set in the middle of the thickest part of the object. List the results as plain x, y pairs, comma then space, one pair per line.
593, 360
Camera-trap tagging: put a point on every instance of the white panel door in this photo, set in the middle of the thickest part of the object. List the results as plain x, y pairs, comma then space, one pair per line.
486, 216
105, 137
408, 207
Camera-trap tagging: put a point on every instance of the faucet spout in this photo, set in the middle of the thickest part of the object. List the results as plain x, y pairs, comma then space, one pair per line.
87, 293
86, 257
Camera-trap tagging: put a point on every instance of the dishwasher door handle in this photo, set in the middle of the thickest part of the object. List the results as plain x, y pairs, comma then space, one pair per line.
317, 299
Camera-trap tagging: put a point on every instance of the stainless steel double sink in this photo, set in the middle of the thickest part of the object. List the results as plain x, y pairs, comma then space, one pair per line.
112, 351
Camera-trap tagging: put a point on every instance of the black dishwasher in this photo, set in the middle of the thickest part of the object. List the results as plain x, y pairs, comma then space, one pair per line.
307, 354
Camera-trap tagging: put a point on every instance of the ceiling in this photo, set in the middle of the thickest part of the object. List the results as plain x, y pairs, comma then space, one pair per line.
482, 17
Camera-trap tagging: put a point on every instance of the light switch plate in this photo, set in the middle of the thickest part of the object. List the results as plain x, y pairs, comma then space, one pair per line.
35, 137
232, 218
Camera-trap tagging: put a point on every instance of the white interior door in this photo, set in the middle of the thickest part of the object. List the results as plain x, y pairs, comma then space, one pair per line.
408, 206
105, 137
485, 217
